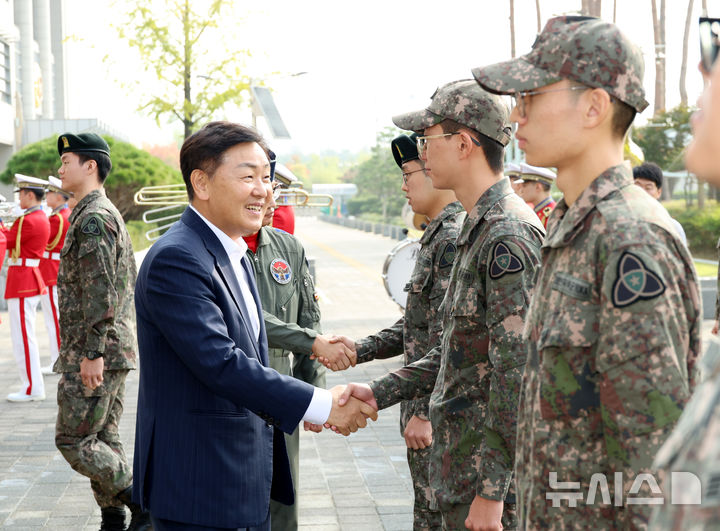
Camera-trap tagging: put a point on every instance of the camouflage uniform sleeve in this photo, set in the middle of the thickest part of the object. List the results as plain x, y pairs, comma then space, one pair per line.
647, 346
96, 239
413, 381
509, 274
385, 344
305, 369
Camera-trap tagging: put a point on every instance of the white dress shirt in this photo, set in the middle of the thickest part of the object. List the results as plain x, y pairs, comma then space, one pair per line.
319, 409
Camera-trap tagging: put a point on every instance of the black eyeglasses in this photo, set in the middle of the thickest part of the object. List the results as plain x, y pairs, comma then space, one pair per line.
709, 41
520, 97
407, 174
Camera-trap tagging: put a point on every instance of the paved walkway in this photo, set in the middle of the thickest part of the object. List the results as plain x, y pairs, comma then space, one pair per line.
356, 483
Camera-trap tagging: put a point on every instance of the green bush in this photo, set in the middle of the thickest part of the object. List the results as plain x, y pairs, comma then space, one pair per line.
702, 228
132, 169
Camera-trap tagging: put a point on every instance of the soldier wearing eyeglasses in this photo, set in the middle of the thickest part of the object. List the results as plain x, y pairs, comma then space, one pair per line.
474, 372
614, 323
690, 458
418, 331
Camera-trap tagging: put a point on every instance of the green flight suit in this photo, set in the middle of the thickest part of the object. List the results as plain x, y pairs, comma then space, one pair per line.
292, 320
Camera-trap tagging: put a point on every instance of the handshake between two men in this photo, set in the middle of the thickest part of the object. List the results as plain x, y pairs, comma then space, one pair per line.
349, 412
338, 353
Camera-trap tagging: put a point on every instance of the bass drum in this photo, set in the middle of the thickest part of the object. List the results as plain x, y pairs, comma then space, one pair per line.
398, 268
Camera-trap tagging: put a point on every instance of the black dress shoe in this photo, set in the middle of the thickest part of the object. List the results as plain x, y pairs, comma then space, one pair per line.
113, 519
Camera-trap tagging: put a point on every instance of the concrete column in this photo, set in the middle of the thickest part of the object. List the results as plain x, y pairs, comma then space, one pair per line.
57, 30
24, 22
41, 19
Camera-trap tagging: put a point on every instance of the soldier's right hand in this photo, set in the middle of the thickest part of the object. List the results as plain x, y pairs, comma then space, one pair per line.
333, 353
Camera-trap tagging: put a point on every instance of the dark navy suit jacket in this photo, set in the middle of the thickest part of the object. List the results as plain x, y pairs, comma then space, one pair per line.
208, 404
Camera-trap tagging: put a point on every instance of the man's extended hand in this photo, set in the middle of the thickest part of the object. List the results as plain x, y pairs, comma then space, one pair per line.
309, 426
350, 414
418, 433
715, 327
484, 515
91, 372
333, 353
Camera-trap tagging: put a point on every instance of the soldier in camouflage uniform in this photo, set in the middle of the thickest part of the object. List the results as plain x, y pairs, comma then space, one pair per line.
480, 359
690, 458
419, 329
287, 293
97, 331
614, 323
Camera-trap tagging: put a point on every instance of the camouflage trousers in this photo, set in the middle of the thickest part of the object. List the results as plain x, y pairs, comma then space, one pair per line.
86, 433
454, 516
426, 516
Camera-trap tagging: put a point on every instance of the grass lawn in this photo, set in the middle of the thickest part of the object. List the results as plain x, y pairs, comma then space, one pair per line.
706, 270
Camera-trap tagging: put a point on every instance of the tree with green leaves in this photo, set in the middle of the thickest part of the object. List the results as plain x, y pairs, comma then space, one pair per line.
132, 169
172, 41
378, 180
664, 138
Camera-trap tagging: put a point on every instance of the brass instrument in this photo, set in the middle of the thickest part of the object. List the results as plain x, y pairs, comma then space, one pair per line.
8, 212
171, 200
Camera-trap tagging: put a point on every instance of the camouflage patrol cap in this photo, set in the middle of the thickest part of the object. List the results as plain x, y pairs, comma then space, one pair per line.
404, 148
82, 143
467, 104
583, 49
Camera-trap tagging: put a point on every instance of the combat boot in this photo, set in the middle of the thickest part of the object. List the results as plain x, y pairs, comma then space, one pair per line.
139, 519
113, 519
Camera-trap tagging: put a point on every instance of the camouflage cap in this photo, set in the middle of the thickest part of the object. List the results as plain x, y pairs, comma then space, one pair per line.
583, 49
467, 104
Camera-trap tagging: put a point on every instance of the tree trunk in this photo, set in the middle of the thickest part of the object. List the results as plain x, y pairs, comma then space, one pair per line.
683, 67
659, 34
591, 8
187, 117
701, 194
512, 29
539, 18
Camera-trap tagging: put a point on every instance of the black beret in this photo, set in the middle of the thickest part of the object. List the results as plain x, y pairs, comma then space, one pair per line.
82, 143
404, 148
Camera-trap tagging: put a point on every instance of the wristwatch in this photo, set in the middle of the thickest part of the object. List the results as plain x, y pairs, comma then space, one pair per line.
93, 355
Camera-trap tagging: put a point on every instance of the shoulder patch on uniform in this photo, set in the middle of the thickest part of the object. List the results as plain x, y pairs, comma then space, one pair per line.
504, 261
92, 226
280, 271
634, 282
448, 255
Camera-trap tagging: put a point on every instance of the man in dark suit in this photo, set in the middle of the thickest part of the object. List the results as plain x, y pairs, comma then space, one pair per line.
209, 453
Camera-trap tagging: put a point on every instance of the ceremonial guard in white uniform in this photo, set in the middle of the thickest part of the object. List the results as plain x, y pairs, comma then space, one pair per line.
50, 262
26, 241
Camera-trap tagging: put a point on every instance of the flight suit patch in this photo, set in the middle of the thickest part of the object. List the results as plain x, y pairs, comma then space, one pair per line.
280, 271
